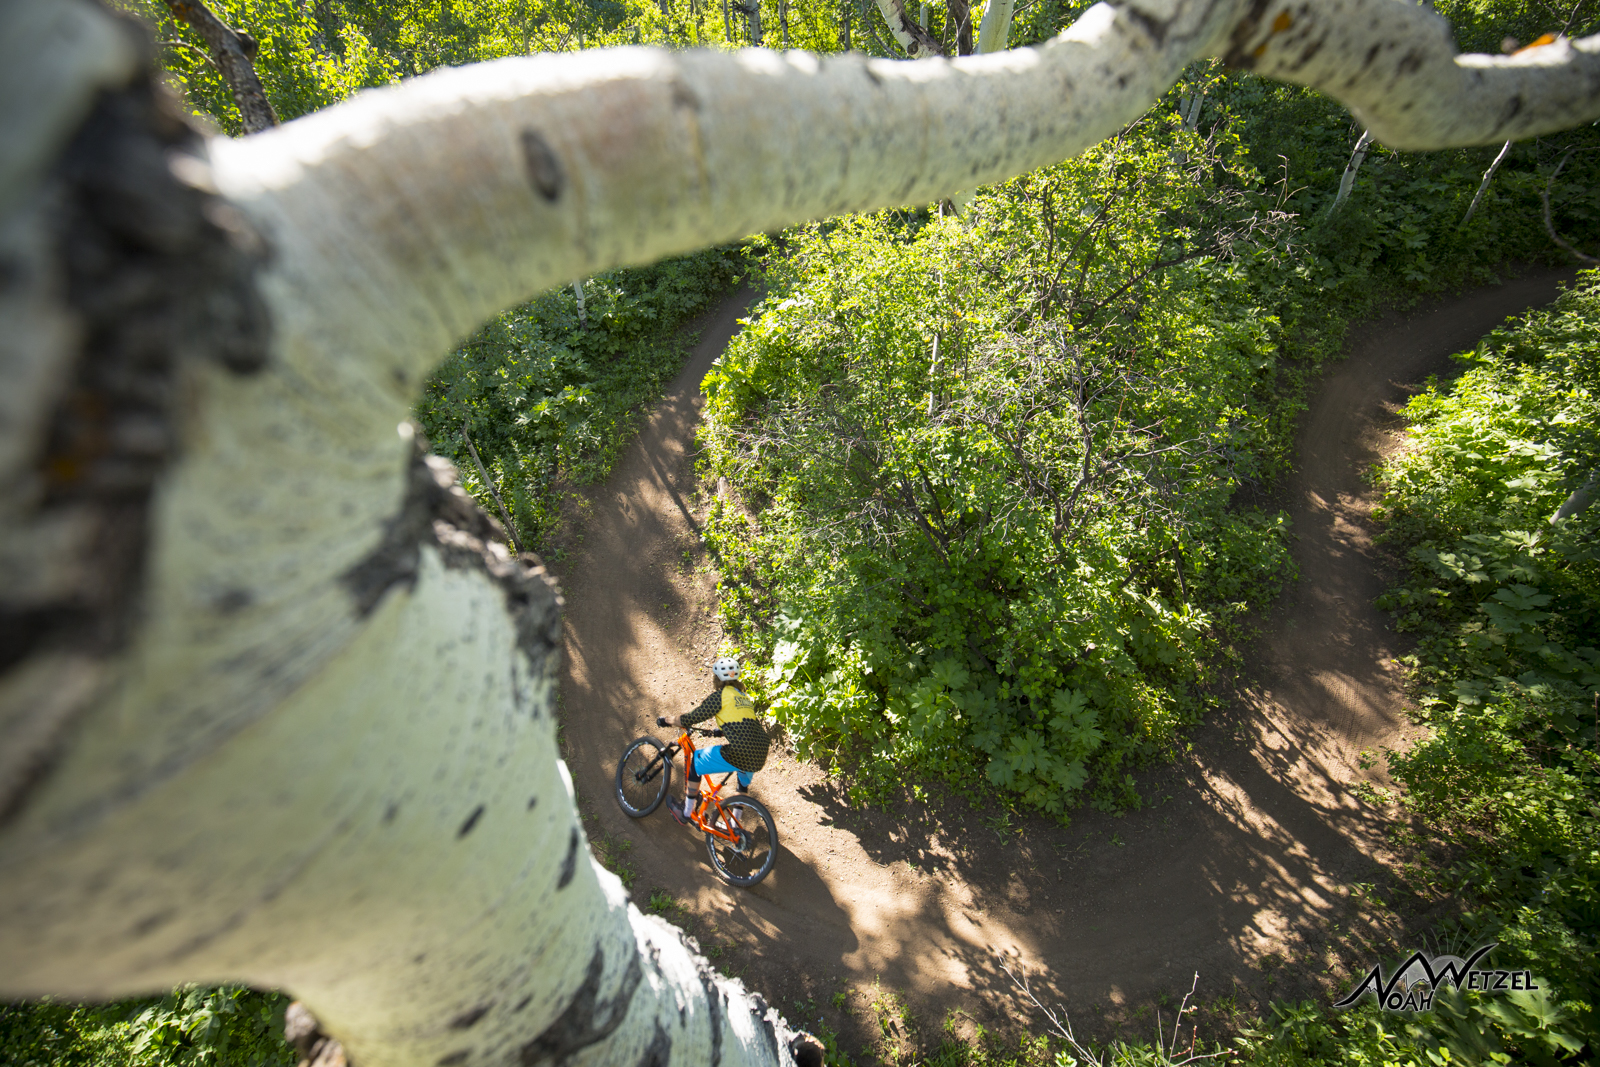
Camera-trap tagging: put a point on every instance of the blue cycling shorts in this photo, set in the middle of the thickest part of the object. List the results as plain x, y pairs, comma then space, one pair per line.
710, 761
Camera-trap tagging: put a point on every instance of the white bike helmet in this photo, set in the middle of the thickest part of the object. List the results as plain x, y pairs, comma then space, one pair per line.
726, 669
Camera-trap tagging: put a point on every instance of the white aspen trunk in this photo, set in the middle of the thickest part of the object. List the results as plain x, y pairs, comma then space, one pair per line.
272, 707
1192, 119
995, 29
783, 22
727, 23
907, 32
1578, 500
583, 311
483, 472
1347, 180
755, 23
1483, 186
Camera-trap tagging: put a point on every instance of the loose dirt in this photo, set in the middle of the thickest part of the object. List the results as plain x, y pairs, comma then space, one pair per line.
1254, 862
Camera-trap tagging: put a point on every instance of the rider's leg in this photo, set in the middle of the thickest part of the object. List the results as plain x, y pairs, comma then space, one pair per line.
712, 761
691, 787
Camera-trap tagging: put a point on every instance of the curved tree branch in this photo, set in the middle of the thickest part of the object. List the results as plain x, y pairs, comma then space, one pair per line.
585, 161
1549, 224
306, 738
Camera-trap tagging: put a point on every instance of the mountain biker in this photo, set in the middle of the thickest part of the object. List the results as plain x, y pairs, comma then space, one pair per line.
746, 750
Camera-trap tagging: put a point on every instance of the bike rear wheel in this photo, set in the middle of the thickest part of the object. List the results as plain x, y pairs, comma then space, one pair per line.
751, 860
643, 774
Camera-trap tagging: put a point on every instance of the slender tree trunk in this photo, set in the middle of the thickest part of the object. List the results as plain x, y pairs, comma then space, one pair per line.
727, 23
911, 36
995, 29
755, 23
1348, 180
1483, 186
483, 472
845, 9
1578, 500
961, 22
234, 53
783, 22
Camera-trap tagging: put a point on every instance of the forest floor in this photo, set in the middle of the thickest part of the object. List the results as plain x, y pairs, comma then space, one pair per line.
1255, 861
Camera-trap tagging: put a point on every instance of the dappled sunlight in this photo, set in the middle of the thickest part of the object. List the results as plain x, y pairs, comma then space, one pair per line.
1246, 853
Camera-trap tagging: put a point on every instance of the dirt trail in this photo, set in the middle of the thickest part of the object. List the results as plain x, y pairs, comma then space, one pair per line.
1244, 857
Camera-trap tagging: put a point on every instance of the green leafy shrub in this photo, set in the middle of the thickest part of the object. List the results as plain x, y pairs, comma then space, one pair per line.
193, 1026
1506, 609
990, 470
549, 403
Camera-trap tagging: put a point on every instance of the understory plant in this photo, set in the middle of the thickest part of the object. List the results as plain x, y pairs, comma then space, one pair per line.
193, 1026
549, 399
985, 469
1503, 596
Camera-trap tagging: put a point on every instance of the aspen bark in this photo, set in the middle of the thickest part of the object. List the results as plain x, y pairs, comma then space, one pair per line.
995, 29
1483, 186
1347, 180
907, 32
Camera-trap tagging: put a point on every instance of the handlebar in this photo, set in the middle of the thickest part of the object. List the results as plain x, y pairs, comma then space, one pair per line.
662, 720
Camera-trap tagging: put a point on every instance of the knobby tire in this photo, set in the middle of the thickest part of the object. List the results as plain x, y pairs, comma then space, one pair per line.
746, 866
643, 774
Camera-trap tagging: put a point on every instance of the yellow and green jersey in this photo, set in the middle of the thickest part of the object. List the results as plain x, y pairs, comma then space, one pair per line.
735, 714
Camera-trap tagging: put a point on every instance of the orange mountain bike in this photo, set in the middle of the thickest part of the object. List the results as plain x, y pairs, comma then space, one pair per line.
741, 837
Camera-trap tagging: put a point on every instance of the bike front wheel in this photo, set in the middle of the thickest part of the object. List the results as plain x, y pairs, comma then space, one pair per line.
643, 774
751, 859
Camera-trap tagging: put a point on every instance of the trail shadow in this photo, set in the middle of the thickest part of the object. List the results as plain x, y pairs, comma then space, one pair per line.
1239, 866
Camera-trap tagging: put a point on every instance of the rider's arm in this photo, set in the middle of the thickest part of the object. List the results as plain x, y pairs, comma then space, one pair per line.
708, 707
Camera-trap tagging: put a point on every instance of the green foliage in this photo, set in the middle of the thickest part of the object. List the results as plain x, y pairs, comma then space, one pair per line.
193, 1026
993, 467
921, 551
315, 54
549, 403
1506, 609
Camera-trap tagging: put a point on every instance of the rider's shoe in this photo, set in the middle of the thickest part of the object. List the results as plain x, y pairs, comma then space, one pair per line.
680, 818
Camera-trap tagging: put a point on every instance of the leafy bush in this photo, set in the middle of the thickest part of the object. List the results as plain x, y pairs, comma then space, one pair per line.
942, 560
1506, 608
193, 1026
992, 468
550, 403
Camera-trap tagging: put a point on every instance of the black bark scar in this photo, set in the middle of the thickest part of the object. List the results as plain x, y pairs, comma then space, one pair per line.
544, 168
435, 511
468, 1019
659, 1052
569, 866
586, 1020
708, 982
1243, 31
